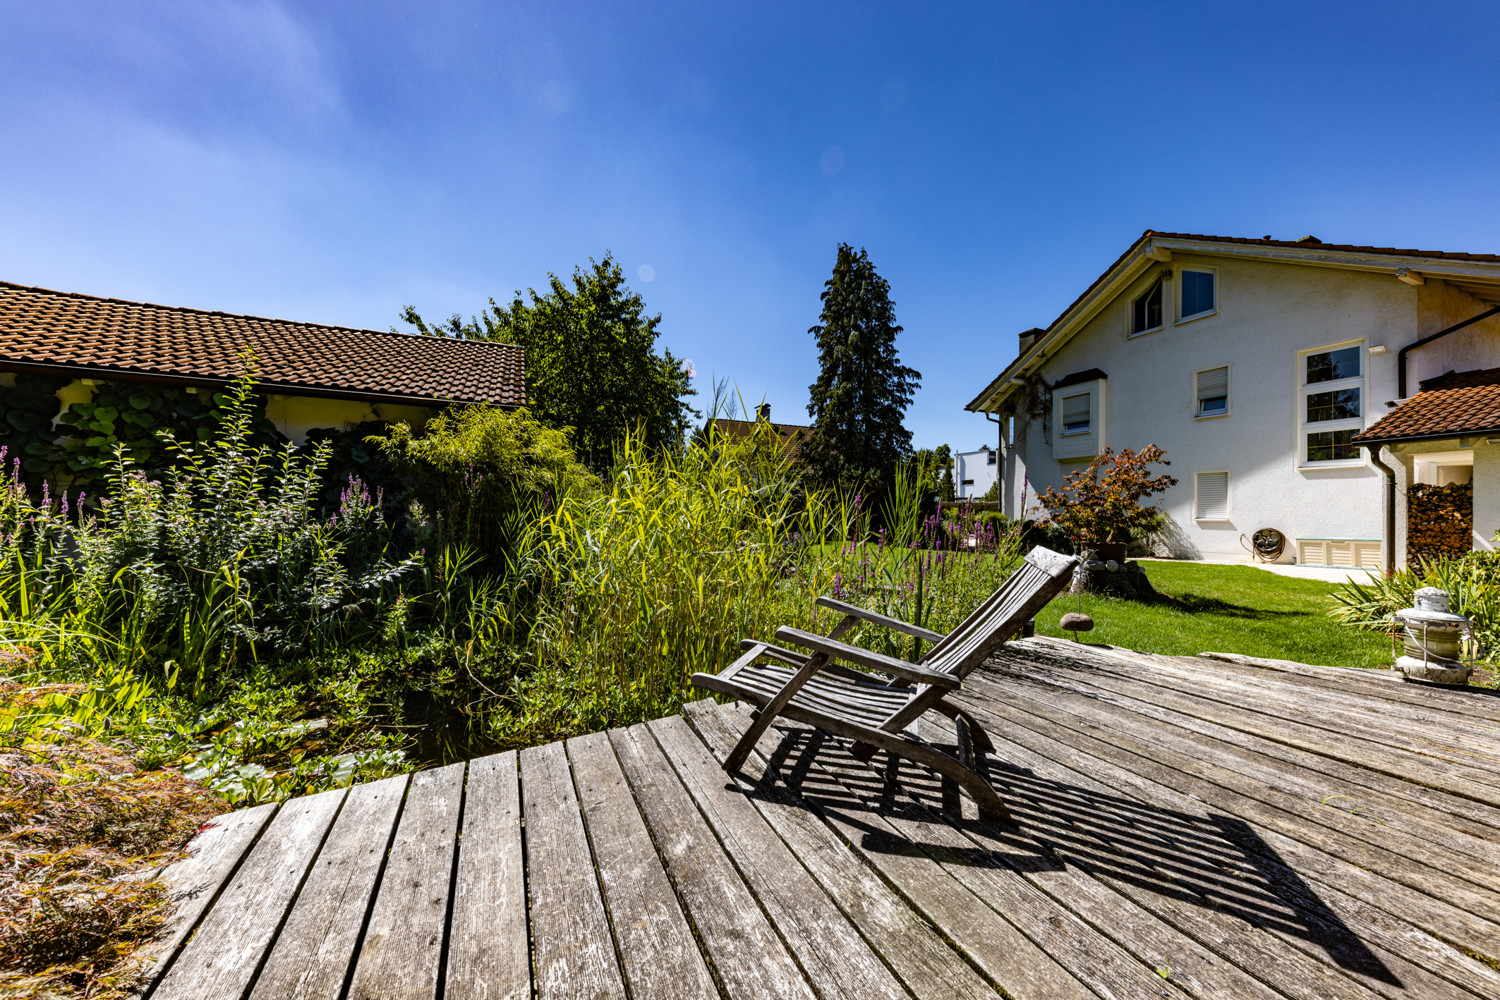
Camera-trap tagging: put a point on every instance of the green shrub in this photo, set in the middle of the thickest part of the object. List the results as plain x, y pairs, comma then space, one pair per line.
481, 473
1472, 582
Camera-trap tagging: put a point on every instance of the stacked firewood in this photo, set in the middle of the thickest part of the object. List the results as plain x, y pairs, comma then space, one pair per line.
1440, 521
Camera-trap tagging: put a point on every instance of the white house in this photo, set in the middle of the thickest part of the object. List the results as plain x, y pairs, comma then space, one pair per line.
1296, 385
974, 472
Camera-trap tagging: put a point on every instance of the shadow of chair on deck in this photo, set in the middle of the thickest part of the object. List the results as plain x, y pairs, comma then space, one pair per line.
1217, 862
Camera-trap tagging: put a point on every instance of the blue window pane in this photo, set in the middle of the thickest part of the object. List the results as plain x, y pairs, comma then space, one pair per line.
1197, 292
1330, 366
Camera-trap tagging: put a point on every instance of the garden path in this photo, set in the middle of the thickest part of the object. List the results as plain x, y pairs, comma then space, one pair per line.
1187, 827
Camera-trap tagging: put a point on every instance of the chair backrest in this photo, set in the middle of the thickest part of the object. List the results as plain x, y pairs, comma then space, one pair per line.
1040, 578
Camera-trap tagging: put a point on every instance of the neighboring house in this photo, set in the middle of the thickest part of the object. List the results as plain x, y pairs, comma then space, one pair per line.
791, 435
1284, 378
974, 472
315, 376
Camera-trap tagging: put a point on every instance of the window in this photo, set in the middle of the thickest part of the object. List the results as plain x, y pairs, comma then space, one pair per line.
989, 458
1198, 297
1332, 404
1146, 311
1211, 496
1211, 391
1075, 414
1077, 427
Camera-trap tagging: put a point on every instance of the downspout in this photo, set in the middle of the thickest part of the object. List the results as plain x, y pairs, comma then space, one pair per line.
999, 453
1401, 356
1390, 505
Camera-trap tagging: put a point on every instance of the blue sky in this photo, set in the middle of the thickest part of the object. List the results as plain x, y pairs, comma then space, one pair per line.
334, 161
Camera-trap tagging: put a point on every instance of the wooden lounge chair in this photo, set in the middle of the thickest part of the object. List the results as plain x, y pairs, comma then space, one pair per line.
873, 710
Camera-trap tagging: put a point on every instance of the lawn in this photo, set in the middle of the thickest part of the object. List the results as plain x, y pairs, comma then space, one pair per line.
1227, 609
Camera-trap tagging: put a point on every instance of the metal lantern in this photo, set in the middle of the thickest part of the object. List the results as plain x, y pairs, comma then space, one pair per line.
1433, 641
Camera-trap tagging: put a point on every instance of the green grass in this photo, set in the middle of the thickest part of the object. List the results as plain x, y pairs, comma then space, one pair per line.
1226, 609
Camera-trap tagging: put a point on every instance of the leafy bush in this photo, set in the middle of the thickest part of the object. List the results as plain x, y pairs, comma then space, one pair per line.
481, 472
230, 616
1102, 503
1472, 582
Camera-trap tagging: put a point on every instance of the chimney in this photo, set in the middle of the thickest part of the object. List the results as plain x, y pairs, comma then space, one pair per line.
1029, 337
763, 412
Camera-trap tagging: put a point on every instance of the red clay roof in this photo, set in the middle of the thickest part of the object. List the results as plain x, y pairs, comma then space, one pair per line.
61, 331
1447, 406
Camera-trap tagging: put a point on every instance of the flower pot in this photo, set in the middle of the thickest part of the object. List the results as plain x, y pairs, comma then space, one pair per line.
1110, 550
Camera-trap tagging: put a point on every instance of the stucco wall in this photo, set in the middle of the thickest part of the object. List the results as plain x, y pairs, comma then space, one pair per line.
294, 416
1267, 313
1486, 493
1439, 306
974, 466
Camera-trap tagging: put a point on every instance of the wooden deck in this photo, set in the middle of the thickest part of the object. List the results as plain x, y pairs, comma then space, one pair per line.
1187, 828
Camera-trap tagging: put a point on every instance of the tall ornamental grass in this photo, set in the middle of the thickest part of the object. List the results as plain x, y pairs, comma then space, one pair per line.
682, 555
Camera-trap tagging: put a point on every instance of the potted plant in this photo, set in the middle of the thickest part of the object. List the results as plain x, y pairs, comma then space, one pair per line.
1102, 507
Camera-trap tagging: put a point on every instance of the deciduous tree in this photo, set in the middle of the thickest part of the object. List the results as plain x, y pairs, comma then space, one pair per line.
591, 362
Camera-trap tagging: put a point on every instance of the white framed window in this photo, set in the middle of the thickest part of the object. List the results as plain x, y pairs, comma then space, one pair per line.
1211, 496
1197, 293
1211, 392
1077, 413
1078, 420
989, 457
1146, 313
1331, 405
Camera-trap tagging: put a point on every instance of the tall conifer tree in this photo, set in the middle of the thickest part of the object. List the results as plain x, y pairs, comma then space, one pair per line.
863, 389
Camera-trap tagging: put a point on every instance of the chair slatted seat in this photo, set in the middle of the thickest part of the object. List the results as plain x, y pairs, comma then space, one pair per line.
816, 688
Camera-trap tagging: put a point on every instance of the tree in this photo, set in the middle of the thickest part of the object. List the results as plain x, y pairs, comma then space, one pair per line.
936, 465
591, 362
863, 390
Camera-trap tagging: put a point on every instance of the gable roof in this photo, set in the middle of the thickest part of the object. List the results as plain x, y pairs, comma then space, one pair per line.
1476, 273
84, 335
1447, 406
791, 435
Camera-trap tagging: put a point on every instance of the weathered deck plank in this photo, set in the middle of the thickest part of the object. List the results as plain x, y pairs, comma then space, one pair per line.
574, 954
223, 955
661, 959
194, 882
832, 954
747, 952
488, 953
315, 949
403, 943
929, 968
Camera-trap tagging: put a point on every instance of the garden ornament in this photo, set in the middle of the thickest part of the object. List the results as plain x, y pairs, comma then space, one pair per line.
1076, 622
1433, 640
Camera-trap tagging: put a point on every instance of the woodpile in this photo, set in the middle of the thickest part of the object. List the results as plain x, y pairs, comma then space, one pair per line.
1439, 521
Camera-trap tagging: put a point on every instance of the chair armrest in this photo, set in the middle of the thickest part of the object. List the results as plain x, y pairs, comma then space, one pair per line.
865, 658
876, 618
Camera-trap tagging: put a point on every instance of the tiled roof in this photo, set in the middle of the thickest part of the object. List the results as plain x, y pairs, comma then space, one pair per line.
1447, 406
1486, 258
792, 435
42, 329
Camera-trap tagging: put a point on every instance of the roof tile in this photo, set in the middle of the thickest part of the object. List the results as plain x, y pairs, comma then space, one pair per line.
69, 330
1449, 405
